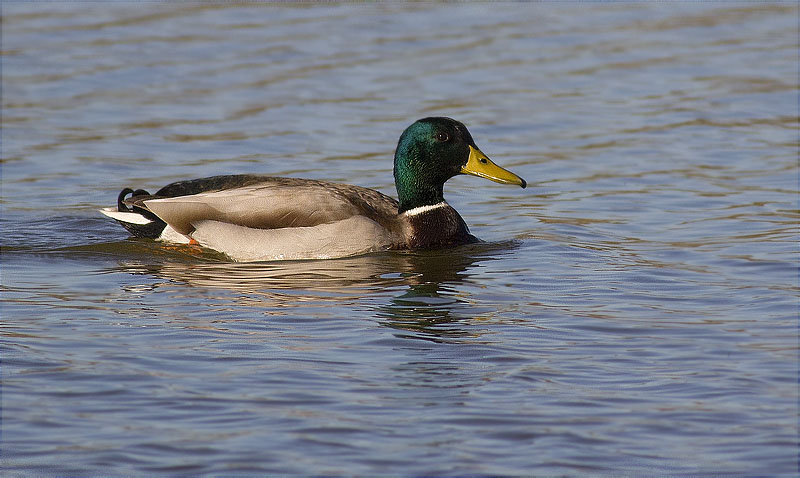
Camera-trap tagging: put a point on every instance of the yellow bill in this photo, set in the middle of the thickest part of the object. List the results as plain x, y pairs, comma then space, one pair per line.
479, 165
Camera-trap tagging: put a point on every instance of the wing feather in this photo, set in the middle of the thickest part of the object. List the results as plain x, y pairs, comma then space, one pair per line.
273, 205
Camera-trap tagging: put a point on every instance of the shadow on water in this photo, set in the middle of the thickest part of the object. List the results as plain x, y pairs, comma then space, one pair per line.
421, 293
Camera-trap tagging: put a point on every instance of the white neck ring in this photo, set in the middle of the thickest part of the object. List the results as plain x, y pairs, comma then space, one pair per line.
422, 209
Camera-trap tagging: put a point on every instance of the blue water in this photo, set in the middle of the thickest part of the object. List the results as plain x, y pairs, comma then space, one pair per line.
633, 312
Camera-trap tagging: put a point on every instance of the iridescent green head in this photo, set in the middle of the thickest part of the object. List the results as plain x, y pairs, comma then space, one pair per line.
433, 150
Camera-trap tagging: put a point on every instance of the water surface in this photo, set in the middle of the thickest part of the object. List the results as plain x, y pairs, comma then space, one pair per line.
634, 311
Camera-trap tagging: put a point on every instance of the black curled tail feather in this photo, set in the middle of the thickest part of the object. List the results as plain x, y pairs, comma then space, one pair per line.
121, 206
152, 229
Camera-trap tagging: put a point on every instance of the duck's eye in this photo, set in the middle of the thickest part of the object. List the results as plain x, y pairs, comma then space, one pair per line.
442, 137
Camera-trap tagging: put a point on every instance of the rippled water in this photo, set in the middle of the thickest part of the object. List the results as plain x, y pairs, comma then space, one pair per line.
634, 311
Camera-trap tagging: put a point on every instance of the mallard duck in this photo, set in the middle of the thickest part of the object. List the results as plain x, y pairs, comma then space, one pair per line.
258, 218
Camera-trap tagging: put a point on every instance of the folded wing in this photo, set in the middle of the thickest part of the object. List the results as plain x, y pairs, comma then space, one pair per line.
256, 206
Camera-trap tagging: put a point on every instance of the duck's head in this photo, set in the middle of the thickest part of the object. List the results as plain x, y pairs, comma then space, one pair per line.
433, 150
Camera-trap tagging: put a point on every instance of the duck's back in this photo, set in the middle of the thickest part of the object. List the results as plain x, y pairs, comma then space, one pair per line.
267, 202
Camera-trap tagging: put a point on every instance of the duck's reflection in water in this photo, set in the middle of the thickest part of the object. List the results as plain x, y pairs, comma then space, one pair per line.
420, 293
435, 303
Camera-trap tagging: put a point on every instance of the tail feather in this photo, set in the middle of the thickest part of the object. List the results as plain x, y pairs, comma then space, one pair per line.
134, 217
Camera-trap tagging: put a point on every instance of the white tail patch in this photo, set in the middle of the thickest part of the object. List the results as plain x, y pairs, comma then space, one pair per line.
129, 217
171, 235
